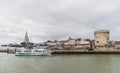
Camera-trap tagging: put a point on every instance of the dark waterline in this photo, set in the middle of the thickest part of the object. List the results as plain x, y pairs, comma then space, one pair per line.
60, 63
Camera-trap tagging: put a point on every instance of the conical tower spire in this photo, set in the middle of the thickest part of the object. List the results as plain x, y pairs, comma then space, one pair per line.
26, 40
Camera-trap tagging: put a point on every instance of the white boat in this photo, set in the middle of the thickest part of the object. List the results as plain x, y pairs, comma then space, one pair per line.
33, 52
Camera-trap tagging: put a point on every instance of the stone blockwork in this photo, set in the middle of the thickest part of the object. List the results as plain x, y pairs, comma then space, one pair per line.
101, 37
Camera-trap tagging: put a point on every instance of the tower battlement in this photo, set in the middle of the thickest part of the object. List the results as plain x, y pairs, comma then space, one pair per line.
101, 31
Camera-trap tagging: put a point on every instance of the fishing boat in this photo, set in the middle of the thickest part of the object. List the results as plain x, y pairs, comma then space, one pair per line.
33, 52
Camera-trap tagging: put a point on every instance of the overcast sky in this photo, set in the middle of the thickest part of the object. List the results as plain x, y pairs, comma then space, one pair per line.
57, 19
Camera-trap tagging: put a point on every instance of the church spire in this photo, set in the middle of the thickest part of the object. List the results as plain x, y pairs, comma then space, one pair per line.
26, 40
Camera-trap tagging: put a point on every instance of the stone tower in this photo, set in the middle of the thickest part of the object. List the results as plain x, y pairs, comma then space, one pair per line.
26, 40
101, 37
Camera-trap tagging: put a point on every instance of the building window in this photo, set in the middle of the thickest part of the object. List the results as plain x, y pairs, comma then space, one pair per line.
97, 41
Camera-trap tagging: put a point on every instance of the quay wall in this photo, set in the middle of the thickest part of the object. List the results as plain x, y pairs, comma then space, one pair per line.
96, 51
8, 50
83, 52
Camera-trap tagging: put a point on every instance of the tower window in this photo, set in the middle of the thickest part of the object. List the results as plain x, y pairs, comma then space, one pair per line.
97, 41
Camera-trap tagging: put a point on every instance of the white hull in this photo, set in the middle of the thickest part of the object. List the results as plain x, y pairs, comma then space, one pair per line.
33, 52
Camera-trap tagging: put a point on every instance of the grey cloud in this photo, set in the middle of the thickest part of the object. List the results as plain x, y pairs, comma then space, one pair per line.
57, 19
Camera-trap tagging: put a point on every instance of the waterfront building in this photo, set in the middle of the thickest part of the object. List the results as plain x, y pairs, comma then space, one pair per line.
51, 43
71, 41
101, 38
82, 44
14, 45
115, 44
80, 41
43, 45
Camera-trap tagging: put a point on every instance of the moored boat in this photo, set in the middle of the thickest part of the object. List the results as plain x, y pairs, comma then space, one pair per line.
33, 52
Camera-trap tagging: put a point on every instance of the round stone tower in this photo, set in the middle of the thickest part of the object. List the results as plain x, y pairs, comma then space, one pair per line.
101, 37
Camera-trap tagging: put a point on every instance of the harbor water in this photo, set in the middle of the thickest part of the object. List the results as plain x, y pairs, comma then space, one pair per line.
86, 63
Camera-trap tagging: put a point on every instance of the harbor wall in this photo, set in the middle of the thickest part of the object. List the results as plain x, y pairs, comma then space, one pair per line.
83, 52
8, 50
